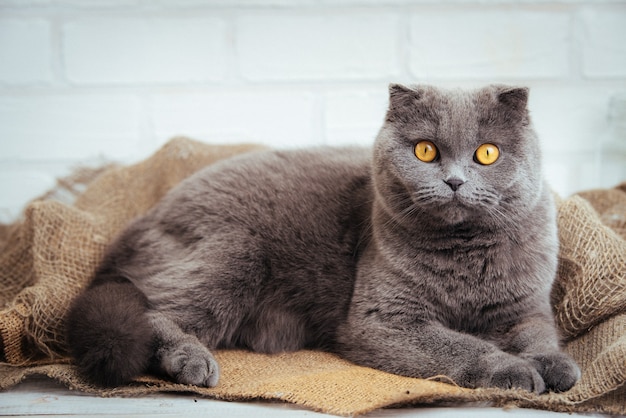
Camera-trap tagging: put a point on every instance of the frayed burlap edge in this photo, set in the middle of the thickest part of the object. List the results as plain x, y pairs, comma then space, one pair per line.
592, 268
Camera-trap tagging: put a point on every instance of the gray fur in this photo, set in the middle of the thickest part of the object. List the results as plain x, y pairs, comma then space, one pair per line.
419, 269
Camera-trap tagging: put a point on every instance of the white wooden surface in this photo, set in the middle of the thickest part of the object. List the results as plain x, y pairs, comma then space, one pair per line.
44, 398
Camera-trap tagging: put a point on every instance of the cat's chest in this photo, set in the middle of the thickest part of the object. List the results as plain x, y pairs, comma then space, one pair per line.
455, 267
468, 288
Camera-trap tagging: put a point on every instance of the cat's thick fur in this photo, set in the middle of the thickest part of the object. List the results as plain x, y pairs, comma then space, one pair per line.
416, 268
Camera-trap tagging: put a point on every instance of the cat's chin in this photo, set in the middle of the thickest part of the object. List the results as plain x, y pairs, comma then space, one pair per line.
455, 211
453, 215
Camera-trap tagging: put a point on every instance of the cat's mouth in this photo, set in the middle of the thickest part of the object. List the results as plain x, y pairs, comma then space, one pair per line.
453, 208
467, 203
449, 198
453, 213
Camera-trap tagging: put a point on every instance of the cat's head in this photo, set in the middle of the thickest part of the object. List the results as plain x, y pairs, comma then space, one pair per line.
457, 155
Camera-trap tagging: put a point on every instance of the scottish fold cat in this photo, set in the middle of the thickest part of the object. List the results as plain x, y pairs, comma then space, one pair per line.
433, 253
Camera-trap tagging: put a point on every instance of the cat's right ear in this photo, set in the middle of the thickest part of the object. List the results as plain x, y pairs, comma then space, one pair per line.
401, 98
401, 92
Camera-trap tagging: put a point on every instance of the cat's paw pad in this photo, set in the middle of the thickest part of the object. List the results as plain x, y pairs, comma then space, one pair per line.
558, 370
518, 374
192, 364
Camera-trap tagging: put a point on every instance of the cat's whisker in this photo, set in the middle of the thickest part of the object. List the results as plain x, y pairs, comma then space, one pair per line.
500, 218
401, 218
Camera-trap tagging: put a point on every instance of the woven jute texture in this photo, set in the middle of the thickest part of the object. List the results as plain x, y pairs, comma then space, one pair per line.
48, 256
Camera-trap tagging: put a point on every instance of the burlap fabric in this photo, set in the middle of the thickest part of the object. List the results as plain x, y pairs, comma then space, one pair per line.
48, 256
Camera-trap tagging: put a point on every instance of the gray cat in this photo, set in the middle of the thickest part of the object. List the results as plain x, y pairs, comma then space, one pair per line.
432, 254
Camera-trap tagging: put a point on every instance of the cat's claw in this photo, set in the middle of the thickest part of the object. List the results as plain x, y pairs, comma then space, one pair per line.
192, 364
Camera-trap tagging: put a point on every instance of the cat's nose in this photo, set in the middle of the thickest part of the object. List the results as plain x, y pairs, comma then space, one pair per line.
454, 183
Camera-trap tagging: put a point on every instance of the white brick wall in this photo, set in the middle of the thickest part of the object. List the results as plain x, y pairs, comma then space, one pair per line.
29, 60
354, 116
83, 79
604, 43
143, 50
511, 44
279, 118
318, 46
69, 127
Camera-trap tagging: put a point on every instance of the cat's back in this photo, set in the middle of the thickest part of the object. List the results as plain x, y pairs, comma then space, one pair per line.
271, 189
297, 212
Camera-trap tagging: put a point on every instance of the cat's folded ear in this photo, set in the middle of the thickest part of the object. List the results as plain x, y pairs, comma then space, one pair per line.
399, 90
514, 97
402, 99
510, 103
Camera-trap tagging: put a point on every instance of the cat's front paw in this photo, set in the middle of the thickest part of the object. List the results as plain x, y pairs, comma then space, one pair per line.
515, 373
559, 371
191, 364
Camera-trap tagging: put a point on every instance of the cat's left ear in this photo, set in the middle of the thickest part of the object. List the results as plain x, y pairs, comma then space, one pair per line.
515, 98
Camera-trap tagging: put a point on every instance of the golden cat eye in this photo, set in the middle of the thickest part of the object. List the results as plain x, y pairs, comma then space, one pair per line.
487, 154
426, 151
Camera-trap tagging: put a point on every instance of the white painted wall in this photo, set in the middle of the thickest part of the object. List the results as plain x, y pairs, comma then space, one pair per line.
82, 80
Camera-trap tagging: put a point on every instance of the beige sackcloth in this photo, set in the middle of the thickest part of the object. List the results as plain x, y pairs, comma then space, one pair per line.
48, 256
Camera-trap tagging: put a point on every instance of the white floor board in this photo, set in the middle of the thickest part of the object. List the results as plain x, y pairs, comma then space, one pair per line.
44, 398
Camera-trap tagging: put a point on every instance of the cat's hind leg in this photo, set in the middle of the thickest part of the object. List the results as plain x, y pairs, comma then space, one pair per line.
114, 337
108, 334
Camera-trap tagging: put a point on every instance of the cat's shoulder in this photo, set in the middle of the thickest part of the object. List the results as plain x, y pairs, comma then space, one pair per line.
311, 162
303, 157
290, 170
